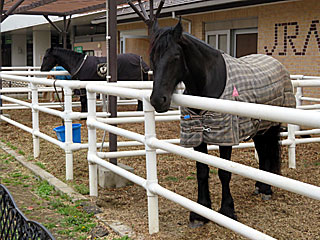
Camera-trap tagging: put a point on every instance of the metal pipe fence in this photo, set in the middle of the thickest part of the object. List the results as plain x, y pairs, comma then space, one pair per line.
154, 146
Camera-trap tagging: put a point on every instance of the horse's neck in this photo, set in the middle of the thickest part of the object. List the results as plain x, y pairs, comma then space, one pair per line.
207, 74
69, 60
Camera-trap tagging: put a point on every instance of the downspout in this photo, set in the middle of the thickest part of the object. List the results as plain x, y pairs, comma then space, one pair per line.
189, 22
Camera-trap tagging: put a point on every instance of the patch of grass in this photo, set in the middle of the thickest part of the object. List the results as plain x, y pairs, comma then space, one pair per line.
214, 171
44, 190
55, 204
170, 178
21, 152
122, 238
15, 174
82, 189
74, 220
50, 225
16, 183
40, 164
191, 178
11, 146
6, 180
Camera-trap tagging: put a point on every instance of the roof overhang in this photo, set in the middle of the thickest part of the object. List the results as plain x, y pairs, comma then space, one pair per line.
53, 7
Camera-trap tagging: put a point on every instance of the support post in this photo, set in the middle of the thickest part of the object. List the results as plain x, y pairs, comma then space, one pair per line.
1, 11
112, 59
92, 148
292, 146
68, 132
151, 166
299, 93
35, 120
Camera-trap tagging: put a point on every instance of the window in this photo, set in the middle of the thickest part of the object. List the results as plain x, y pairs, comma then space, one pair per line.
245, 41
219, 40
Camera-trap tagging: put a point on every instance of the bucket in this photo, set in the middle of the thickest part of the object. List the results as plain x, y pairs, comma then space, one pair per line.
76, 133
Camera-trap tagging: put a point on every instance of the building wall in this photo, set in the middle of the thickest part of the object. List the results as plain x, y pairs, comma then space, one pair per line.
41, 42
19, 50
290, 33
98, 47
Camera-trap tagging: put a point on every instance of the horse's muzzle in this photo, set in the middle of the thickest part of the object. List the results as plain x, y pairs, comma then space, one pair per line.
161, 103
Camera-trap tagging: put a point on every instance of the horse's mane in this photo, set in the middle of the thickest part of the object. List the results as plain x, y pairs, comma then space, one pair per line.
65, 52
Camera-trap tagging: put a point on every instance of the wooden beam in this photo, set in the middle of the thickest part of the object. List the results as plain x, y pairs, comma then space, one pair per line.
159, 9
137, 11
33, 5
53, 13
112, 59
52, 23
87, 9
11, 10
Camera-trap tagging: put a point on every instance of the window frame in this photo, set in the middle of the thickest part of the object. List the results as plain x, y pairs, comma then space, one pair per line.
217, 33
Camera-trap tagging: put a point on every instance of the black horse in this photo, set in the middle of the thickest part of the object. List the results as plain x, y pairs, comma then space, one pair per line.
180, 57
131, 67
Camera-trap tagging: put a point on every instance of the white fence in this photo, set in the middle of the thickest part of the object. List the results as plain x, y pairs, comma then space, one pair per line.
271, 113
67, 114
154, 146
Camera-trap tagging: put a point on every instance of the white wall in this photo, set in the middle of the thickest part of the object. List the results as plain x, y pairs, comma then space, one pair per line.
19, 50
41, 42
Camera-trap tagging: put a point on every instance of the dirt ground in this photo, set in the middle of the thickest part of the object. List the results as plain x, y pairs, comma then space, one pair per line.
286, 216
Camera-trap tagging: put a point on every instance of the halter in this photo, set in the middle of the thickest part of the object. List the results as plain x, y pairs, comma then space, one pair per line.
81, 65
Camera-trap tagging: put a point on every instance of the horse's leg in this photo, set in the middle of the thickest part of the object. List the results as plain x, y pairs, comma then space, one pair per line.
140, 106
83, 101
203, 189
227, 205
268, 149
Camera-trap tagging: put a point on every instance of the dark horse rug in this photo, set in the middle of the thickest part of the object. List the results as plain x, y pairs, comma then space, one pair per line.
254, 78
130, 67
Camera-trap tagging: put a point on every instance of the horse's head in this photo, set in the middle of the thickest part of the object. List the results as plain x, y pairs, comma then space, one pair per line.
168, 64
49, 61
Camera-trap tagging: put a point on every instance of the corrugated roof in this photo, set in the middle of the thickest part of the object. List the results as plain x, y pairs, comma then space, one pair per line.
55, 7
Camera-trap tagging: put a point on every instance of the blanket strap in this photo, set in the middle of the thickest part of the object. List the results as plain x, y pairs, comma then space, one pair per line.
81, 65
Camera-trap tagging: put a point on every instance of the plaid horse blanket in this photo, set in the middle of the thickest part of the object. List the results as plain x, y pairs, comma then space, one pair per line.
255, 78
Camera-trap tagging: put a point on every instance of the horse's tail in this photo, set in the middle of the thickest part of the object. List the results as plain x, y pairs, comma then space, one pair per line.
276, 161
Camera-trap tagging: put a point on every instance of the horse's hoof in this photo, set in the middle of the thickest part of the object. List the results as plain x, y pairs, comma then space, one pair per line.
263, 195
256, 191
266, 197
196, 224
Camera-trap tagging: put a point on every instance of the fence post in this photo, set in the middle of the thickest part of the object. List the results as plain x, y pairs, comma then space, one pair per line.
151, 166
292, 146
29, 95
92, 148
68, 132
35, 120
298, 95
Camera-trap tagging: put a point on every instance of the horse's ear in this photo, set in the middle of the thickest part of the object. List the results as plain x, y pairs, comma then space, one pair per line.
177, 30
